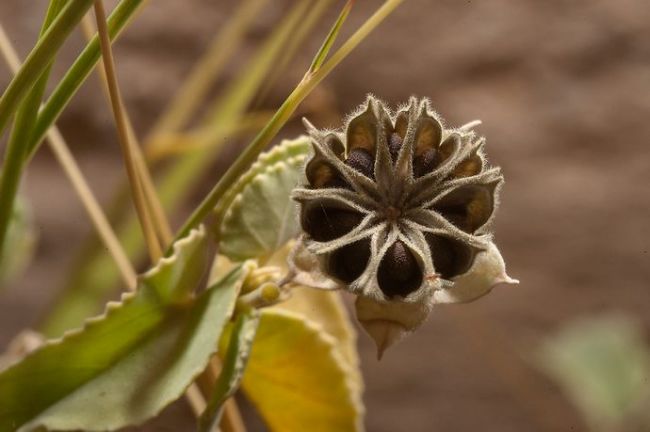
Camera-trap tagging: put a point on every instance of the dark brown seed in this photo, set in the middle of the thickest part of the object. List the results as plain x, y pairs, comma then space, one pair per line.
468, 207
457, 214
394, 145
328, 223
362, 161
450, 257
349, 262
425, 163
336, 182
399, 273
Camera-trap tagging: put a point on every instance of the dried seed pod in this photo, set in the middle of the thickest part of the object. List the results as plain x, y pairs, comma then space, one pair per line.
487, 271
414, 226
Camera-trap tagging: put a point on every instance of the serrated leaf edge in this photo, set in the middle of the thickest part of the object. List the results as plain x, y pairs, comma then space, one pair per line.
285, 148
238, 200
128, 296
196, 233
125, 298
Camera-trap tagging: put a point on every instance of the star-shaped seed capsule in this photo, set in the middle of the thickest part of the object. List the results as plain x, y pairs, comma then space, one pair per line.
397, 210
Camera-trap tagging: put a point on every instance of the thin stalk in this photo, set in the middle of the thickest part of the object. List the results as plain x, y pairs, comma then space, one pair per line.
156, 211
92, 207
206, 71
13, 163
297, 38
79, 71
233, 104
126, 145
231, 420
41, 56
195, 399
79, 183
331, 37
308, 83
201, 138
136, 169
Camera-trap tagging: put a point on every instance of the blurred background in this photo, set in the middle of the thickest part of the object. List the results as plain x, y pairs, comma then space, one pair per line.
563, 90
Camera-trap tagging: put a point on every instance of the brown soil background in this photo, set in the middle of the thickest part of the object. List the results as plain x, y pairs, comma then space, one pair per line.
563, 89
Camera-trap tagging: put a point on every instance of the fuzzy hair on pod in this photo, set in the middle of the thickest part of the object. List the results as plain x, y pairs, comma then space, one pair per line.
397, 209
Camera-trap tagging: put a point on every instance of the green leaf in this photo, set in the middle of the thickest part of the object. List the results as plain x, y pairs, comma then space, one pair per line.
261, 217
20, 240
298, 379
125, 366
235, 360
603, 364
95, 275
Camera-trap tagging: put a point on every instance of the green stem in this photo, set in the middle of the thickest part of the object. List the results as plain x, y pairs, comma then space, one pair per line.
94, 275
13, 163
41, 56
234, 364
309, 82
78, 72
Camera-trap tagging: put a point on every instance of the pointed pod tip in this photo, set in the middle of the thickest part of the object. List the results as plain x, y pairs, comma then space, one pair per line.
505, 279
309, 126
385, 333
471, 125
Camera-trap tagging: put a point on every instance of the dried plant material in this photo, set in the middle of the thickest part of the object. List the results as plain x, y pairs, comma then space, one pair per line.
488, 271
397, 209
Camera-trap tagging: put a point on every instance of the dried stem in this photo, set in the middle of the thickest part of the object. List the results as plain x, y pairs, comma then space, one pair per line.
156, 211
205, 72
124, 137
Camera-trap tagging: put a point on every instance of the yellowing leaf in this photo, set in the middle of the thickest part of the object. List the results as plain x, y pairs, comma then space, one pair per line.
298, 379
125, 366
326, 309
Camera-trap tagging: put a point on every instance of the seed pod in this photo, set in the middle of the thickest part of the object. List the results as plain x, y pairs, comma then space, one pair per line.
417, 230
